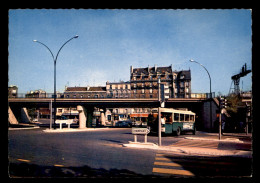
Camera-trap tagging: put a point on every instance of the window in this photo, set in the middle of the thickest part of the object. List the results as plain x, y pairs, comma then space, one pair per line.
176, 117
110, 86
68, 96
192, 118
151, 90
142, 90
81, 96
181, 117
187, 117
134, 78
182, 77
126, 87
74, 96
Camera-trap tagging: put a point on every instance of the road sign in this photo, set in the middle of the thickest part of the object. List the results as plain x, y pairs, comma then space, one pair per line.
140, 131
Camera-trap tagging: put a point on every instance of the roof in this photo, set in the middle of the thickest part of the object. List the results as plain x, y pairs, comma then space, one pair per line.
95, 88
152, 70
185, 73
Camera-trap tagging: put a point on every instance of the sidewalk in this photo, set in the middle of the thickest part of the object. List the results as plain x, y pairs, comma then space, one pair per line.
65, 130
231, 145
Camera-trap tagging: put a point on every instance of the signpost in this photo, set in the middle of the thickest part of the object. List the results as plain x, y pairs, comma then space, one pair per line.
140, 131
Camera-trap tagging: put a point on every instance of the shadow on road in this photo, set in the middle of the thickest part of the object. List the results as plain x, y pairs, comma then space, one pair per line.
220, 166
31, 170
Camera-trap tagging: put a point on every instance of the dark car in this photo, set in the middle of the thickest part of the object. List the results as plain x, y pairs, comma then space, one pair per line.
127, 124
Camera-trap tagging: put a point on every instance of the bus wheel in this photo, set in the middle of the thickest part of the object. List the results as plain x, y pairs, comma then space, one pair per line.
178, 132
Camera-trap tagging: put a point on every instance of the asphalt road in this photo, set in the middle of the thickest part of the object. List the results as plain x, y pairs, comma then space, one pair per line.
34, 153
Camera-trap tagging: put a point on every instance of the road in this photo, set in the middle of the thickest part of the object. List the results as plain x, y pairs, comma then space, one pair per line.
34, 153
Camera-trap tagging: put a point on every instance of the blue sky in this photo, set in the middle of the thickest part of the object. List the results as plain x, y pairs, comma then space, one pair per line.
110, 41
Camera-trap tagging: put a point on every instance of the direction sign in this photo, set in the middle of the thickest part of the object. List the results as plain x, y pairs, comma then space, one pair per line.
140, 131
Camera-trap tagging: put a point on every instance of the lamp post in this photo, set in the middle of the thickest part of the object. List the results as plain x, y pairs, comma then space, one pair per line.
55, 60
210, 95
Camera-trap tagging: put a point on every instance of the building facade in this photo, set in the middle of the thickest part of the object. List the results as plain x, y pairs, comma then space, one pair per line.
118, 89
12, 91
36, 94
144, 82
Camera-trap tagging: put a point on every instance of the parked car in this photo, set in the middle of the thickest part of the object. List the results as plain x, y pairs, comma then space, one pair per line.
124, 124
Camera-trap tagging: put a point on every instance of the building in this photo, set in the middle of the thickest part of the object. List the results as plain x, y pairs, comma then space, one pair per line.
85, 92
182, 84
36, 94
118, 89
144, 82
12, 91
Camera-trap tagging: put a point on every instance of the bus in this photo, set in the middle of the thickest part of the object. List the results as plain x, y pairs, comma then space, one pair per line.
173, 121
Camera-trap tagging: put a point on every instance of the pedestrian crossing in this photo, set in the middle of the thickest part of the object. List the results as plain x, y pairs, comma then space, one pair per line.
166, 165
197, 144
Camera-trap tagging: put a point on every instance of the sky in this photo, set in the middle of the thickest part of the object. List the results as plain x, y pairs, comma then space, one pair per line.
110, 41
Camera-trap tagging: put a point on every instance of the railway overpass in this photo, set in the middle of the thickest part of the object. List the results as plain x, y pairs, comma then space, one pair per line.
198, 105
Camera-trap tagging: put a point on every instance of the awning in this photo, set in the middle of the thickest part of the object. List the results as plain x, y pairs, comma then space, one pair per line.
135, 115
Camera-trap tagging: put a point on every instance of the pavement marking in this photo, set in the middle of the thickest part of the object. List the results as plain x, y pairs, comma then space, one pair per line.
172, 171
167, 164
164, 165
24, 160
198, 144
58, 165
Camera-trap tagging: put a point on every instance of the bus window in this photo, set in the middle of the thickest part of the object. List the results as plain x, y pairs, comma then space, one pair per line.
192, 118
187, 117
176, 117
181, 117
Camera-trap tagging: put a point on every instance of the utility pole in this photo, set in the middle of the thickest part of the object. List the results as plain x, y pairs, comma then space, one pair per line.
159, 115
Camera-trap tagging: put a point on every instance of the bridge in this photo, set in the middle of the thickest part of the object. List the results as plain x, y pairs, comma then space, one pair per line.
197, 105
100, 102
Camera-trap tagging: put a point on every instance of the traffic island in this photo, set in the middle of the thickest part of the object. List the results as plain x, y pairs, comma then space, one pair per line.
141, 145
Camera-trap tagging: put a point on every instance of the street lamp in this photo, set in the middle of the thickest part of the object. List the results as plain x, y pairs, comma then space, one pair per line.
55, 60
210, 95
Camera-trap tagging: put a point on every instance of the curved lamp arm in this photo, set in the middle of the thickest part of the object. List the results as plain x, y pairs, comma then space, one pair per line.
46, 47
76, 36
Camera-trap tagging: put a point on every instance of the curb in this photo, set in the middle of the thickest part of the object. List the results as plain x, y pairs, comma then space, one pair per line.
66, 130
223, 140
26, 128
190, 151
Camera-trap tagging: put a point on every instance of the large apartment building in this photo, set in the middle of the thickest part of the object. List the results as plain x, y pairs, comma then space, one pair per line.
144, 82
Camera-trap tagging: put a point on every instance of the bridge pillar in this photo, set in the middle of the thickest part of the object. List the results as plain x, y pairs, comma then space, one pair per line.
11, 117
102, 117
24, 115
90, 111
82, 116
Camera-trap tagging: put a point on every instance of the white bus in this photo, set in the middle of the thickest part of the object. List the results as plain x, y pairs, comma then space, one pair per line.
173, 121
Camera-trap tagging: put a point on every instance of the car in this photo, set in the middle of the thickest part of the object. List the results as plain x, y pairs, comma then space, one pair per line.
124, 124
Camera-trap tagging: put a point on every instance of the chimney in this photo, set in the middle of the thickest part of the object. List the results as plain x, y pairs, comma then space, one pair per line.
131, 69
155, 67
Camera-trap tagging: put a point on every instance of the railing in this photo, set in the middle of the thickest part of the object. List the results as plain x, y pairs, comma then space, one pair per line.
106, 96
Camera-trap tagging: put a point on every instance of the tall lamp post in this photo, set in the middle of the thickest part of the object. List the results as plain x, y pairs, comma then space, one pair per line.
210, 95
55, 60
